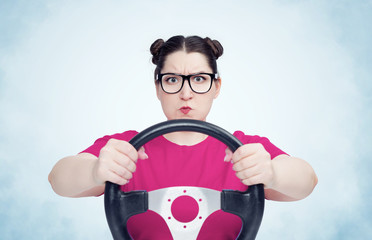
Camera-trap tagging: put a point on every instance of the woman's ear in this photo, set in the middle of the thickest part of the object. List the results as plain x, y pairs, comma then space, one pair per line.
218, 87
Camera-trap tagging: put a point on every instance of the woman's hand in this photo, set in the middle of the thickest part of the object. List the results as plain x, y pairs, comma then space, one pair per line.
117, 162
285, 178
252, 164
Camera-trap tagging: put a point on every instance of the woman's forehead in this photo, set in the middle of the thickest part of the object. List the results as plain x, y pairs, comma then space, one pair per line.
186, 63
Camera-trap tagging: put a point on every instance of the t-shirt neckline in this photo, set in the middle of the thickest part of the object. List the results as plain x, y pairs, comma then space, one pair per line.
185, 146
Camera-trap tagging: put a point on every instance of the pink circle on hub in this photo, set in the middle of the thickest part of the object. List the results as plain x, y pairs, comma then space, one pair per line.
185, 209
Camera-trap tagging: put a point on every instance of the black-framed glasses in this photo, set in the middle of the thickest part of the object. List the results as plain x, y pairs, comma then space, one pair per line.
199, 82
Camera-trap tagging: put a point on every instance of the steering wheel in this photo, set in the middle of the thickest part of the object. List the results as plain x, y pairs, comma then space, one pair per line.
248, 205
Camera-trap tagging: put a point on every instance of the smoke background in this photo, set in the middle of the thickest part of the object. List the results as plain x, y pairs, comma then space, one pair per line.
298, 72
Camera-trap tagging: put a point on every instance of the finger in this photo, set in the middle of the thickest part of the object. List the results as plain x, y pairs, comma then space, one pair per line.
124, 148
245, 151
228, 155
244, 163
247, 173
121, 171
114, 178
142, 154
125, 161
257, 179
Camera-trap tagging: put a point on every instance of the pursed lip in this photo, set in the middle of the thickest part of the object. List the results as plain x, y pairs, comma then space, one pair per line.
185, 109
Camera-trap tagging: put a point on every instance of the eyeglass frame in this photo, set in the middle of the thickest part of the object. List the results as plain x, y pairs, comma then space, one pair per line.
214, 76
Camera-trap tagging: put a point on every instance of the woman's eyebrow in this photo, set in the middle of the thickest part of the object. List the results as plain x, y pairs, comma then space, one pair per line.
184, 74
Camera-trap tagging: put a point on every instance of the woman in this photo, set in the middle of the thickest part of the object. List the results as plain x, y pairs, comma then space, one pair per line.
187, 82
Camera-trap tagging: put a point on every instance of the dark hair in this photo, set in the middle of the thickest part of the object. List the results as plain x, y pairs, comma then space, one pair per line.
211, 49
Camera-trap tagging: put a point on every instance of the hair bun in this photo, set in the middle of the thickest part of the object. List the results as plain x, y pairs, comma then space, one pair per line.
155, 50
216, 47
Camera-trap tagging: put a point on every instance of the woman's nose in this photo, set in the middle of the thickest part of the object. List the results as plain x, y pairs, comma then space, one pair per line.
186, 92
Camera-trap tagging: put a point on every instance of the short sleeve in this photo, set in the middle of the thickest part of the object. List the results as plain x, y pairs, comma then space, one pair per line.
273, 150
101, 142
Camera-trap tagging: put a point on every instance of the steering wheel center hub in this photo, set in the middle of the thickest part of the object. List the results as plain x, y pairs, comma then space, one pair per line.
185, 208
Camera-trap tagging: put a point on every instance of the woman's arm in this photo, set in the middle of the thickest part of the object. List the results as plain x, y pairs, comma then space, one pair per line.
295, 179
72, 176
85, 174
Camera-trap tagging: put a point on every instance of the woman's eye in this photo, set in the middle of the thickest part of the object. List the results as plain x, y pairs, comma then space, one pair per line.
198, 79
172, 80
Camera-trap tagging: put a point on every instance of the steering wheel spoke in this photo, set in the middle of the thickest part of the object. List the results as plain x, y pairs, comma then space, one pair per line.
161, 201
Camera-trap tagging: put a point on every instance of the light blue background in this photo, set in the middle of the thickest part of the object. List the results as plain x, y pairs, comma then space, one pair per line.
298, 72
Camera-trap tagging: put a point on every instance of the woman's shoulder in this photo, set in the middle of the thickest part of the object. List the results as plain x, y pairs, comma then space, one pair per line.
100, 142
126, 136
266, 143
244, 138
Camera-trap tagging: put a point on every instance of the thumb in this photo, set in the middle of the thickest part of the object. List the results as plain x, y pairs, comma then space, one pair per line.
142, 154
228, 156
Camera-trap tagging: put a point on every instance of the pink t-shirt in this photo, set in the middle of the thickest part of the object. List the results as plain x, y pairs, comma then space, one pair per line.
170, 165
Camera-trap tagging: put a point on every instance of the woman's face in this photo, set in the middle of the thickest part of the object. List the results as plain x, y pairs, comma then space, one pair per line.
186, 103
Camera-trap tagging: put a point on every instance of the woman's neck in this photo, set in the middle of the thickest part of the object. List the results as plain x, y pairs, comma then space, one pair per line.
185, 138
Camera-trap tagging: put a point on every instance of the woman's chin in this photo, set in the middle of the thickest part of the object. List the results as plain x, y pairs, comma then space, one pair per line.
186, 116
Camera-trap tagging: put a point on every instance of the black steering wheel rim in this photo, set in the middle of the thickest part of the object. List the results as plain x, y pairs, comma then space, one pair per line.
248, 205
